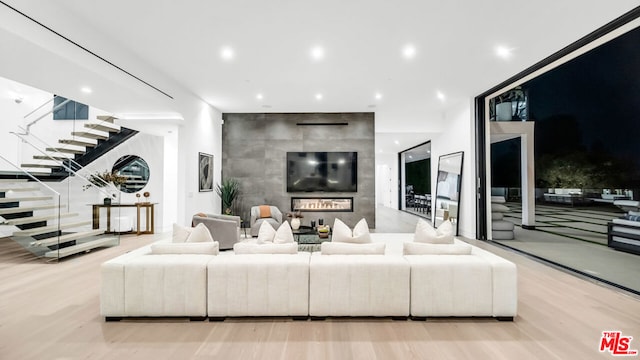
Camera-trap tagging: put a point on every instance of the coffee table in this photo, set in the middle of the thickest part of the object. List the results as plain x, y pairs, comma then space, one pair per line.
308, 239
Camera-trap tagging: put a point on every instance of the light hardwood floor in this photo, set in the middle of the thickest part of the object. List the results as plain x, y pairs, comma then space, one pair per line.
51, 311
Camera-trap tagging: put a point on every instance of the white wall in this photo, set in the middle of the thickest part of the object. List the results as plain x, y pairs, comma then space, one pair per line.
387, 186
458, 135
201, 133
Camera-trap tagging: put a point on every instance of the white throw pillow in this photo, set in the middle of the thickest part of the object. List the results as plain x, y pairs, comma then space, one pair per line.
359, 235
200, 233
343, 248
425, 233
194, 248
180, 233
413, 248
499, 208
266, 233
284, 234
248, 248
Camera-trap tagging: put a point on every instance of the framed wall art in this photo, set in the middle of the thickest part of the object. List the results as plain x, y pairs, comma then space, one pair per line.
205, 172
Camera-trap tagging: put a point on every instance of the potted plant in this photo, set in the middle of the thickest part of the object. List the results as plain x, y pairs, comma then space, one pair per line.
103, 179
228, 191
295, 219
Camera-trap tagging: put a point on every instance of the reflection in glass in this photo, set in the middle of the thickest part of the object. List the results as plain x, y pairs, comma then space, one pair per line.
448, 189
135, 169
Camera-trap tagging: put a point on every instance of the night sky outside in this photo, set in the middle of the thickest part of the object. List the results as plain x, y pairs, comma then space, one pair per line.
586, 109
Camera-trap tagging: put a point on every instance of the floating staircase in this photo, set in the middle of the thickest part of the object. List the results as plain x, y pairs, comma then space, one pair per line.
80, 149
43, 228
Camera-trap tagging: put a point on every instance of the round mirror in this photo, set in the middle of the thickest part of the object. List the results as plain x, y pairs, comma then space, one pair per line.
135, 169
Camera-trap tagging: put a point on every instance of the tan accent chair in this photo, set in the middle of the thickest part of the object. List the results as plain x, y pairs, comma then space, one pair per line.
225, 229
275, 220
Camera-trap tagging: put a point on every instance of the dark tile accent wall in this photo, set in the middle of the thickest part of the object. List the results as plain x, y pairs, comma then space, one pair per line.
254, 148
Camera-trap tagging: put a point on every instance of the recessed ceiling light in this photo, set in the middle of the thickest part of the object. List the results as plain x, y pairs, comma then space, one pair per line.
86, 90
440, 96
227, 53
318, 96
378, 96
317, 53
409, 51
503, 52
259, 97
396, 142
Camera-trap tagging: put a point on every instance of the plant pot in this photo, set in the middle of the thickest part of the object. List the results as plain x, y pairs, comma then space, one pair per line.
504, 111
107, 201
295, 223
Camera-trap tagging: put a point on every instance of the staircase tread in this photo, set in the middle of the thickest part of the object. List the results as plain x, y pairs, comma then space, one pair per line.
50, 228
51, 157
78, 142
66, 238
4, 188
103, 126
51, 166
33, 219
70, 250
25, 198
107, 118
15, 210
89, 135
66, 150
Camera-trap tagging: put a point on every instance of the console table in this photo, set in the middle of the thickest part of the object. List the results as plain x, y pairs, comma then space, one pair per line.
149, 216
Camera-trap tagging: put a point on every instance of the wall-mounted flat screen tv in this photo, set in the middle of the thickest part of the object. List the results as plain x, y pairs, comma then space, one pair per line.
322, 171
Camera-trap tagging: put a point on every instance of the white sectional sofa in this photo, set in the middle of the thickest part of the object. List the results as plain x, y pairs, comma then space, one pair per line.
141, 284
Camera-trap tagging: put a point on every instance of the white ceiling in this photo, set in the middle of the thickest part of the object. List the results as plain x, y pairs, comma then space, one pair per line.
176, 46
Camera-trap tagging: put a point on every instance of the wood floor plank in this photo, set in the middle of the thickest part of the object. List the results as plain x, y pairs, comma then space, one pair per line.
51, 311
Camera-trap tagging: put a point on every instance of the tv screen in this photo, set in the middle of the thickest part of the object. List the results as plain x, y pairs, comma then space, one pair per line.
322, 171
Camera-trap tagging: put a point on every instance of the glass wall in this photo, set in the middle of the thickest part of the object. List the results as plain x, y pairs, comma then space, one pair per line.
587, 168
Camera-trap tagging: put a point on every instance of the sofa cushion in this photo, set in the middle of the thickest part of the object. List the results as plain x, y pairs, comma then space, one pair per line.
342, 248
414, 248
203, 248
199, 234
497, 216
425, 233
502, 225
502, 235
249, 248
359, 235
632, 217
499, 208
498, 199
180, 233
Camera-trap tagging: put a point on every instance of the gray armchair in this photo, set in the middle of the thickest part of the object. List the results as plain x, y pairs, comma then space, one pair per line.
225, 229
275, 220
